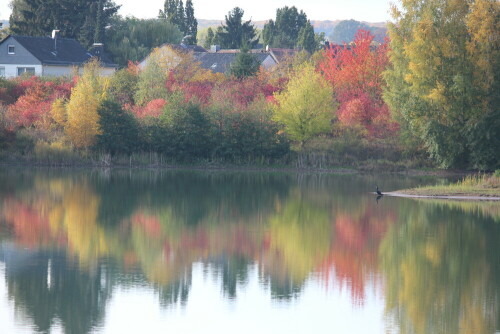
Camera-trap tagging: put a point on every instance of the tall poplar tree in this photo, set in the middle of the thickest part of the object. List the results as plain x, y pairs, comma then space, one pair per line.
183, 17
81, 19
191, 23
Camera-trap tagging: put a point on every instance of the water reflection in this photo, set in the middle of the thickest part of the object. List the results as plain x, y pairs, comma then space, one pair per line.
70, 240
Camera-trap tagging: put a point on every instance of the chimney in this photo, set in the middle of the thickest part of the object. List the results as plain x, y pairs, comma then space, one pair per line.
97, 50
214, 48
54, 37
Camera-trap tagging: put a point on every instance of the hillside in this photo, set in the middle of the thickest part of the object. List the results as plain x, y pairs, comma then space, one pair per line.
326, 26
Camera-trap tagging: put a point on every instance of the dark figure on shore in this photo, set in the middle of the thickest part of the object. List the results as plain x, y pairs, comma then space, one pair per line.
379, 192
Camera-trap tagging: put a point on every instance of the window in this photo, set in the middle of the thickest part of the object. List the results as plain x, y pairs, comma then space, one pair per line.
22, 70
11, 49
2, 71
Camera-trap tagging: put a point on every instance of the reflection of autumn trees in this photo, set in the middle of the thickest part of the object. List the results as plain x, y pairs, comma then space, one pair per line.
51, 288
352, 257
442, 272
164, 223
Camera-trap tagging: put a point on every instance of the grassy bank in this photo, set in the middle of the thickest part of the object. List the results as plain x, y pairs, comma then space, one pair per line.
487, 185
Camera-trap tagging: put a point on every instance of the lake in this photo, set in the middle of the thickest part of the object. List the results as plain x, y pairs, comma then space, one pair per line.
131, 251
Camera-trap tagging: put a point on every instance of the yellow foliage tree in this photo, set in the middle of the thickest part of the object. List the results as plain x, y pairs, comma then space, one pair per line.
82, 125
58, 111
306, 107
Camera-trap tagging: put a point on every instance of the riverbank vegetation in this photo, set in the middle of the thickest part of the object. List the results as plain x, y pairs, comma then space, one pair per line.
361, 105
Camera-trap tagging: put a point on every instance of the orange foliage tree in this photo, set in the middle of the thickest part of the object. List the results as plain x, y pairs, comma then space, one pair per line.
355, 72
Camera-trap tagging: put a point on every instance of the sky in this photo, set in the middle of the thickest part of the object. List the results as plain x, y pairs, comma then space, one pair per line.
361, 10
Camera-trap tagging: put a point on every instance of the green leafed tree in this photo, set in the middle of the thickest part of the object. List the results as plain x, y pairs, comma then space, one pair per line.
345, 31
151, 83
119, 129
209, 39
307, 38
236, 34
133, 39
284, 31
306, 107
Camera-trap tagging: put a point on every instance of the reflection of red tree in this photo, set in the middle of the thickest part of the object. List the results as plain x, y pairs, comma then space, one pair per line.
149, 223
353, 254
30, 226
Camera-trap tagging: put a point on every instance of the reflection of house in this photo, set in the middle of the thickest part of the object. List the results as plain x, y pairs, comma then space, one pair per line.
219, 61
47, 56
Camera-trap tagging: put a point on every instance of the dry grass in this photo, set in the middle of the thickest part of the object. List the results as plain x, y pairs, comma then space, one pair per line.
471, 185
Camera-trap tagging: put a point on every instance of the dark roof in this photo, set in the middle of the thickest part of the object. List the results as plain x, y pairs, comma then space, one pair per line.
68, 51
282, 54
221, 62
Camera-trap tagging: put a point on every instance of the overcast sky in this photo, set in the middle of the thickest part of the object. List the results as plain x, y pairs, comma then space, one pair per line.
361, 10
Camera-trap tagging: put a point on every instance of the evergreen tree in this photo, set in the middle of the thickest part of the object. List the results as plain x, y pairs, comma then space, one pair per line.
191, 23
236, 34
245, 65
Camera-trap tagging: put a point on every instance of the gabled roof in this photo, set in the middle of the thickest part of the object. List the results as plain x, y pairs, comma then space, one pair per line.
68, 51
221, 62
280, 54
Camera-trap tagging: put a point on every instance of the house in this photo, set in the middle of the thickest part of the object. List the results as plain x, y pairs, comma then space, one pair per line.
221, 61
46, 56
216, 60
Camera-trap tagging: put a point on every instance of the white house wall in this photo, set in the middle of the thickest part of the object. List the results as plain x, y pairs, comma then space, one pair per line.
11, 69
57, 70
51, 70
269, 62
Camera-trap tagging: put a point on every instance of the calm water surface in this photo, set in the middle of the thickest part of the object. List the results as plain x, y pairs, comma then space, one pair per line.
231, 252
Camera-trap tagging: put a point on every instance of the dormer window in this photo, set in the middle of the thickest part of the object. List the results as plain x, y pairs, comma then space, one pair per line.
11, 49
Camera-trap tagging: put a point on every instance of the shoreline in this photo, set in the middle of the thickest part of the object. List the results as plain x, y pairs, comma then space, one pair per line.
454, 197
253, 168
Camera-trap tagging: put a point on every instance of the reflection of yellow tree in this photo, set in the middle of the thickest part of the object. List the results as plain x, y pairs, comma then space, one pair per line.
299, 238
437, 274
72, 208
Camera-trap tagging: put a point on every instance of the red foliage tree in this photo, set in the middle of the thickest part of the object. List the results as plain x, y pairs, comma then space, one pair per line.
355, 72
36, 100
